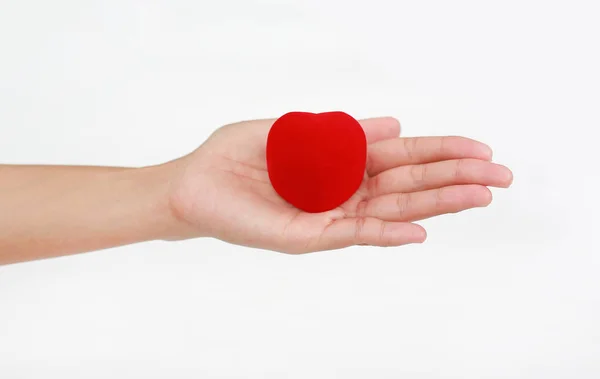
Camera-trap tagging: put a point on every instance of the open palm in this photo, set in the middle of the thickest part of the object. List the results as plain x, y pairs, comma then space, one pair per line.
224, 190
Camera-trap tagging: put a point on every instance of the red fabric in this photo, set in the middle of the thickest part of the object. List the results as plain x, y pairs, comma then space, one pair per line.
316, 162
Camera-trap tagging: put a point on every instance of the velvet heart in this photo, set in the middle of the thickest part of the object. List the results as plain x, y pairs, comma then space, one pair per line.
316, 161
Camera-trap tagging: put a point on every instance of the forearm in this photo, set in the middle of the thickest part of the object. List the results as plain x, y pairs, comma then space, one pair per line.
47, 211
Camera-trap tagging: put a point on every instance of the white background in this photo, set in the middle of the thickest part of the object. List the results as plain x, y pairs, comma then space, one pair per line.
511, 291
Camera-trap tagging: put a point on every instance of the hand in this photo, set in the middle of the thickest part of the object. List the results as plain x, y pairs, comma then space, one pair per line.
223, 190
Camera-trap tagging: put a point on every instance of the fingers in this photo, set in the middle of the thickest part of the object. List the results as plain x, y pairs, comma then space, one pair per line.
427, 176
369, 231
421, 205
387, 154
380, 129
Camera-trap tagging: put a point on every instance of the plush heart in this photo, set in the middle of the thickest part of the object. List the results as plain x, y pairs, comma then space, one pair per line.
316, 162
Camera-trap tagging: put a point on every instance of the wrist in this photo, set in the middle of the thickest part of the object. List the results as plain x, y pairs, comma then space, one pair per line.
159, 182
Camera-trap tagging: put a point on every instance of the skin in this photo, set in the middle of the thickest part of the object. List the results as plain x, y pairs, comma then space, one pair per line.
222, 190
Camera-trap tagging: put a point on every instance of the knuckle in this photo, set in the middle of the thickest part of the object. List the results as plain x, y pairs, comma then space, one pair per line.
443, 201
374, 186
359, 229
410, 145
382, 235
416, 141
444, 143
361, 208
403, 203
439, 198
459, 168
418, 173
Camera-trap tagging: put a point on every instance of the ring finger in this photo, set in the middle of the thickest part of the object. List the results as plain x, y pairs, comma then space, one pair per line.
424, 204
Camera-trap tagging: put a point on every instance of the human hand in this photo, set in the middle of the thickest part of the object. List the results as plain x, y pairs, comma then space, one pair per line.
223, 190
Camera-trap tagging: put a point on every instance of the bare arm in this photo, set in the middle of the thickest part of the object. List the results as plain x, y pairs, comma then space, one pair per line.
46, 211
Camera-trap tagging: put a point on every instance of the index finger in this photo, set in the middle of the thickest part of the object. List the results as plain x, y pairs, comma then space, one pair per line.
380, 128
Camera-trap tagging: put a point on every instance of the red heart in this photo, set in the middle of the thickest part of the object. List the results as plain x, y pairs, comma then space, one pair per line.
316, 162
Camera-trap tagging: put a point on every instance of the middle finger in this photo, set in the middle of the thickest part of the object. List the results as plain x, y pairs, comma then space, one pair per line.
439, 174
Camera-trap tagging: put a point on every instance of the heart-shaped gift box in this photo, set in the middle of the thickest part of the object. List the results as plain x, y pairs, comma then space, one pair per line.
316, 161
